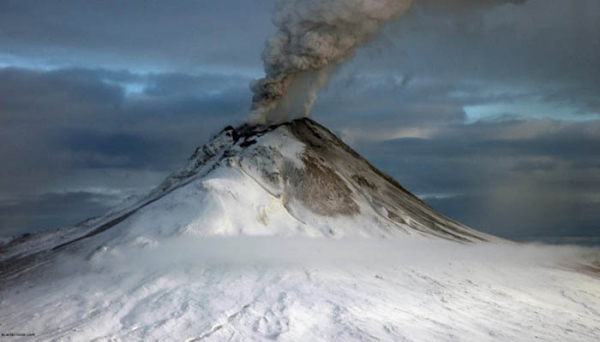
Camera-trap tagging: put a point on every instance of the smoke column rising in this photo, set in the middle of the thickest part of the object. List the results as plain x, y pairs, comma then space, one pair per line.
313, 36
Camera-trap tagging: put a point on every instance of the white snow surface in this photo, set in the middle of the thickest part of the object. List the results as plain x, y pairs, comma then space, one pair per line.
303, 289
286, 234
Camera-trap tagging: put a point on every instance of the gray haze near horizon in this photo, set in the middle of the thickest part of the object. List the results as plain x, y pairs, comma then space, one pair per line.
491, 114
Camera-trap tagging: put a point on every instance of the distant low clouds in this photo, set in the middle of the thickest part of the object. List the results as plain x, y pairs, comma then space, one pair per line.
524, 215
66, 119
502, 149
508, 178
93, 149
48, 210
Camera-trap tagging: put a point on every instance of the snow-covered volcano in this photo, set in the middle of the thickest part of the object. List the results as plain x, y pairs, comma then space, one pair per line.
293, 179
224, 249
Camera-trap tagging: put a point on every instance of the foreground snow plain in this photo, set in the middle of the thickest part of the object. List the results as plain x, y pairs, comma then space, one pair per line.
302, 289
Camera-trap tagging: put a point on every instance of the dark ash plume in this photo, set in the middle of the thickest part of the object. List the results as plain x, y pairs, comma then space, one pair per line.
314, 36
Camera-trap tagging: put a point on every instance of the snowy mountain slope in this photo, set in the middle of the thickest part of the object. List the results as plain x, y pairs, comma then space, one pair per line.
232, 247
294, 179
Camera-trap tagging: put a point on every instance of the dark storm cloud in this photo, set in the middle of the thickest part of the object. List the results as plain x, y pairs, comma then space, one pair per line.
143, 33
92, 149
47, 211
585, 98
586, 165
570, 142
524, 217
53, 121
81, 94
190, 85
364, 108
449, 6
37, 95
529, 167
551, 47
490, 176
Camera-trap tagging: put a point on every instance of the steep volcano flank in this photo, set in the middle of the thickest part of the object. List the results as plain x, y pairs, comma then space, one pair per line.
307, 131
320, 188
381, 190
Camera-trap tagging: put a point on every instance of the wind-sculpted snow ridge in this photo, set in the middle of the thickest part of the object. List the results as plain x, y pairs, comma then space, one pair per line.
226, 249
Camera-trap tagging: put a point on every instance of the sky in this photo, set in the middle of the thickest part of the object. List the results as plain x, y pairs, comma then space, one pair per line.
488, 111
